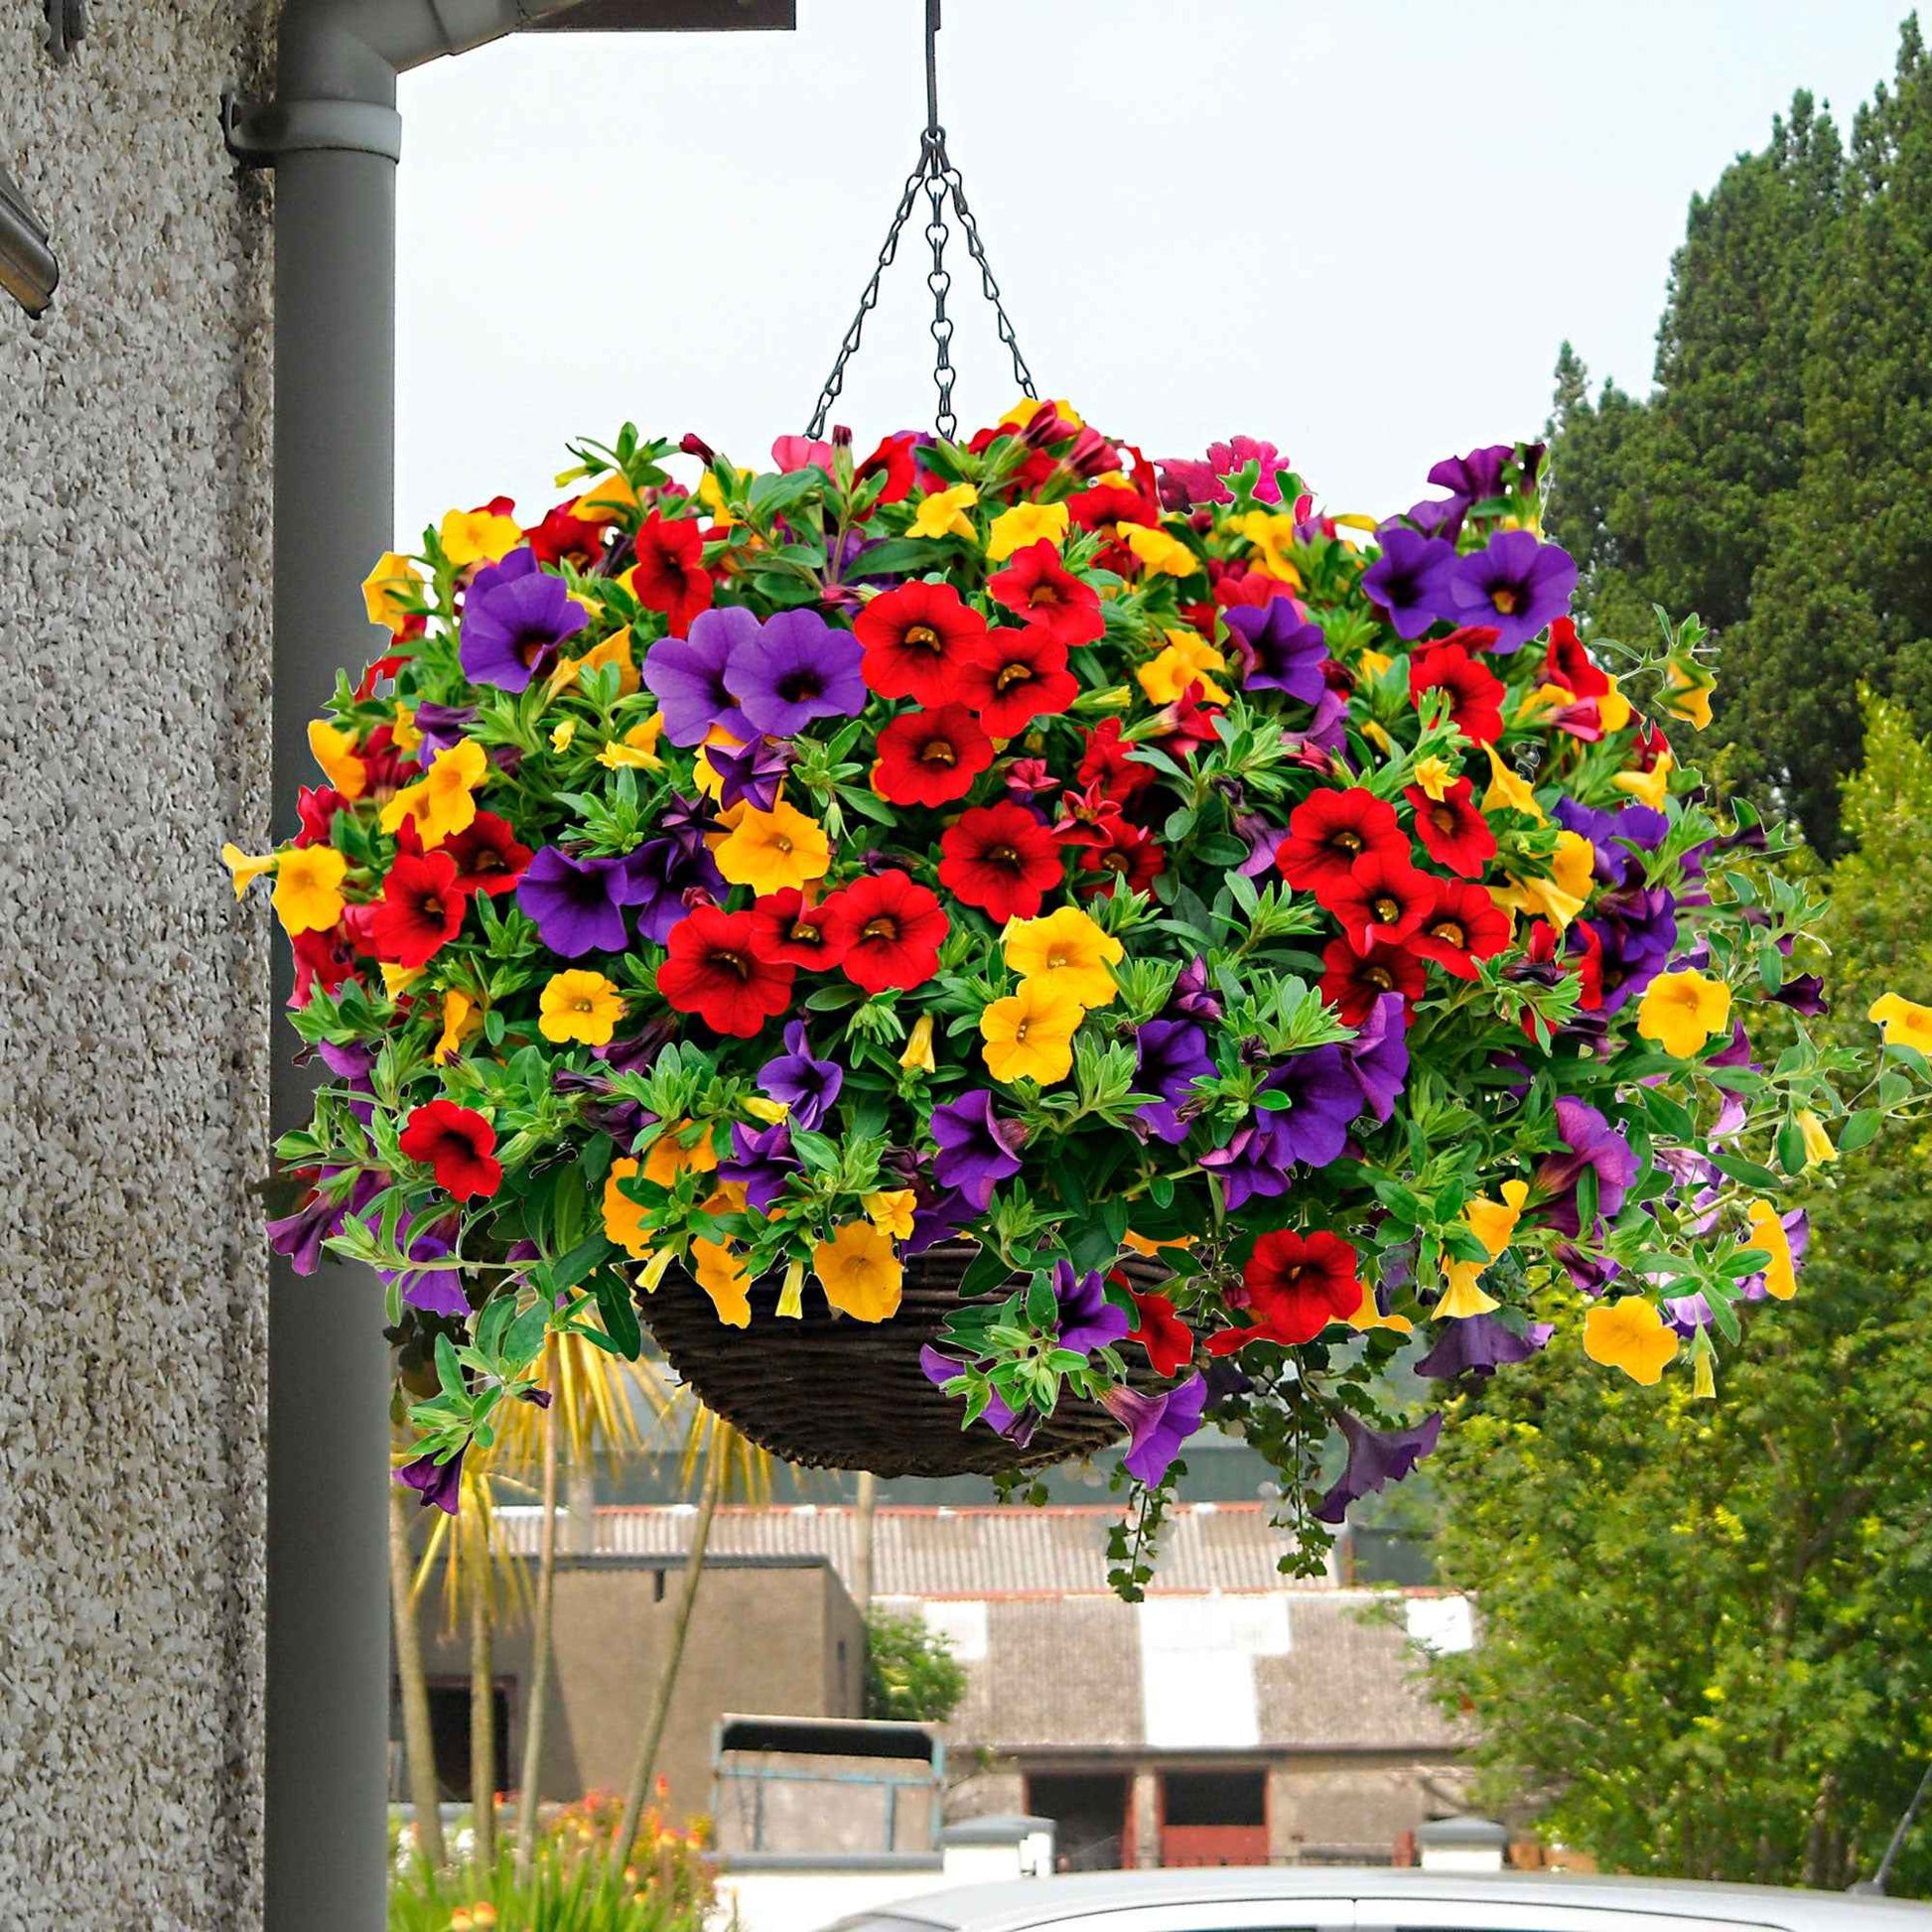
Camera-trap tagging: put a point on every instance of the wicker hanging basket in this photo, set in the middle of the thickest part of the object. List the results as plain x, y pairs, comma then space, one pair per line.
830, 1393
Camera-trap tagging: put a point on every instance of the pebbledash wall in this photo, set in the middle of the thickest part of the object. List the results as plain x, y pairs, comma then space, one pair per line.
134, 562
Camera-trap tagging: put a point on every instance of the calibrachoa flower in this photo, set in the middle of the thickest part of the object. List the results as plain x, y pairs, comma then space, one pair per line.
737, 883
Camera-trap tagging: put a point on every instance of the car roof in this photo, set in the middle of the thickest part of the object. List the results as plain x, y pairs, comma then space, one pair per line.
1026, 1902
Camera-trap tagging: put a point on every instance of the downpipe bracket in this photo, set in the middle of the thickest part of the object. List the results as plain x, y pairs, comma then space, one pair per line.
256, 133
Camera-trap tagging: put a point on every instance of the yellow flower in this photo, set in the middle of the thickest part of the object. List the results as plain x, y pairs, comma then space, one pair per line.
721, 1272
769, 851
1368, 1316
1629, 1334
335, 751
917, 1056
441, 802
1493, 1223
1159, 552
1690, 691
771, 1112
1612, 708
308, 888
1561, 896
397, 980
792, 1296
1028, 407
1462, 1298
637, 748
668, 1156
1025, 523
943, 514
1186, 660
859, 1272
1030, 1034
890, 1211
1681, 1011
462, 1021
1507, 791
390, 589
1434, 777
1818, 1143
244, 870
1905, 1024
1704, 1371
1066, 952
581, 1006
1273, 535
1143, 1245
476, 537
560, 737
1767, 1232
408, 738
606, 500
1650, 788
623, 1218
711, 493
614, 649
1546, 696
1372, 663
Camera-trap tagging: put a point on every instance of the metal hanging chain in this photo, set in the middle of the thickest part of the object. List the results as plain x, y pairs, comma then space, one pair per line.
937, 175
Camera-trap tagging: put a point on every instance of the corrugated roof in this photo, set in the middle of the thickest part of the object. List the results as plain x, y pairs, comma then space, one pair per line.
1347, 1682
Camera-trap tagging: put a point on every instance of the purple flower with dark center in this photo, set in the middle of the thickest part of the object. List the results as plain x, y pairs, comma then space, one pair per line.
1157, 1425
1410, 578
977, 1150
436, 1291
799, 670
1475, 478
1478, 1346
1440, 516
577, 903
1088, 1321
1322, 1098
516, 614
438, 1485
1514, 585
1378, 1056
761, 1161
688, 675
805, 1085
1172, 1055
752, 775
658, 875
1638, 929
1191, 994
1279, 649
443, 727
1376, 1458
941, 1368
1805, 992
1589, 1140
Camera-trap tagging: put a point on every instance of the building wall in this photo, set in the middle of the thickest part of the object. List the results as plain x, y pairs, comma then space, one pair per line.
134, 556
1356, 1801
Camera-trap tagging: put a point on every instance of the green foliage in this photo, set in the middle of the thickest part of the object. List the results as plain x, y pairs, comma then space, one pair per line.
1708, 1629
911, 1674
1778, 481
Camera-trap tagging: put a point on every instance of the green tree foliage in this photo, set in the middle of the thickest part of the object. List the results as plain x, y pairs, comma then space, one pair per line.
1706, 1627
910, 1672
1778, 480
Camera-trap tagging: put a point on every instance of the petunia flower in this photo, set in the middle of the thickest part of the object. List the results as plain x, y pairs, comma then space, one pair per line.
1475, 692
1904, 1023
487, 854
977, 1149
1013, 675
1328, 831
1171, 1056
687, 676
420, 910
761, 1163
1589, 1140
1157, 1425
1377, 1057
1028, 1035
943, 514
390, 589
1067, 952
1461, 926
1279, 649
669, 574
1353, 983
1514, 584
1001, 859
940, 1369
1409, 579
914, 637
751, 774
1453, 831
661, 878
335, 751
579, 1006
931, 757
1322, 1098
859, 1272
799, 670
438, 1485
1023, 525
806, 1086
515, 618
712, 970
1629, 1333
1168, 1342
1376, 1458
1680, 1012
1041, 590
308, 888
1087, 1318
443, 801
788, 928
458, 1144
1294, 1285
1476, 478
576, 904
888, 930
1191, 994
1480, 1345
1385, 898
770, 851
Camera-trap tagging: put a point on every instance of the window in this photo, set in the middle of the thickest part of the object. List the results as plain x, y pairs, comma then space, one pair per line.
1090, 1811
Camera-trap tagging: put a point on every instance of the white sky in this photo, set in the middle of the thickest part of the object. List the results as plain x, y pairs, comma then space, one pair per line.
1360, 228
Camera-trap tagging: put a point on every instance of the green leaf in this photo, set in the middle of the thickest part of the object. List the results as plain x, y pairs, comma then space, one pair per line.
619, 1307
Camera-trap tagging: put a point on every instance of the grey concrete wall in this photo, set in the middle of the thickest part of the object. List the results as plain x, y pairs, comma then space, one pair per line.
134, 509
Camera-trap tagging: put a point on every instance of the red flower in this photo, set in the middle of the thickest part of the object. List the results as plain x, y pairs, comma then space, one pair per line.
322, 959
893, 459
1453, 830
561, 534
1328, 831
788, 929
1186, 724
1130, 855
1354, 981
1001, 859
714, 971
1254, 586
1570, 665
888, 930
1475, 692
1463, 926
421, 909
1105, 763
1294, 1285
458, 1143
1088, 817
316, 806
1386, 898
1013, 676
373, 674
1108, 504
1037, 586
915, 638
669, 572
931, 757
488, 856
1168, 1342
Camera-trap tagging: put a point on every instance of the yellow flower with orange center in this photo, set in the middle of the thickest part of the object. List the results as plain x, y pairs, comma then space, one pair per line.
1905, 1024
1024, 524
443, 801
943, 514
860, 1272
771, 851
308, 888
579, 1006
1028, 1035
1067, 954
476, 536
390, 589
1159, 552
889, 1210
1629, 1334
1680, 1012
1188, 659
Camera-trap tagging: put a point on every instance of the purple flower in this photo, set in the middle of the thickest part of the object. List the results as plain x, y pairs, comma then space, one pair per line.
1589, 1142
977, 1150
799, 670
1478, 1346
298, 1236
1475, 478
752, 773
937, 1219
352, 1062
514, 615
436, 1291
1262, 841
1279, 649
656, 878
1618, 836
1376, 1458
438, 1483
1088, 1321
1803, 994
1172, 1055
577, 903
443, 726
941, 1370
805, 1085
1637, 925
1191, 994
1514, 585
1439, 516
1378, 1056
761, 1161
1323, 1096
1254, 1161
1410, 579
1157, 1425
688, 675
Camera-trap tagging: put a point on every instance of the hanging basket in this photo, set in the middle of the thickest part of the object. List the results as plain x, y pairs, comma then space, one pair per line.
828, 1393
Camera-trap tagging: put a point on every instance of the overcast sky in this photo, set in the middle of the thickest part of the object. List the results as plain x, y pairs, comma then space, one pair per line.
1361, 230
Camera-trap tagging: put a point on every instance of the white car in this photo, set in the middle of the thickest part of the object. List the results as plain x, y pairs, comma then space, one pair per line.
1315, 1898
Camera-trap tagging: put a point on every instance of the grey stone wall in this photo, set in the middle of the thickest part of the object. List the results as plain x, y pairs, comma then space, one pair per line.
134, 516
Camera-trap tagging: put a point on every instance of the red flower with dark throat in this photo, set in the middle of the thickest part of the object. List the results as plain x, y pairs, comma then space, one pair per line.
889, 930
788, 930
421, 909
1463, 926
1570, 665
669, 572
931, 757
1328, 831
1108, 505
1105, 763
894, 461
561, 534
1385, 898
1475, 692
1001, 859
1131, 855
713, 970
914, 640
1353, 981
1294, 1285
488, 857
1038, 587
1013, 676
1453, 832
459, 1144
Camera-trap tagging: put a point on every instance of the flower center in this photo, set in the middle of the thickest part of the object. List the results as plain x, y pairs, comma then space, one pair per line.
802, 933
1056, 959
1380, 978
733, 962
1019, 1031
1444, 819
784, 844
940, 752
799, 687
1450, 932
430, 908
1349, 842
1504, 599
1011, 674
882, 927
583, 1004
1388, 910
922, 636
1002, 855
